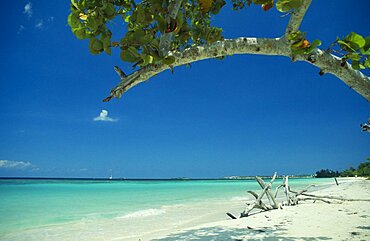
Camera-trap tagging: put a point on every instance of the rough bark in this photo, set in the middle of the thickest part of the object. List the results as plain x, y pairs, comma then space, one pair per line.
297, 18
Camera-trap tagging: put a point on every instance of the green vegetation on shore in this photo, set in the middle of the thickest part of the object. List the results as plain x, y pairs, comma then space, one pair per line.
363, 170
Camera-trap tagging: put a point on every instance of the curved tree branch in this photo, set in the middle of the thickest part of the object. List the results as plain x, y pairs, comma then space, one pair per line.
327, 62
264, 46
332, 64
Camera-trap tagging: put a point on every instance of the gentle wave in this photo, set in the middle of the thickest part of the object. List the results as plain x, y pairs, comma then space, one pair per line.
143, 213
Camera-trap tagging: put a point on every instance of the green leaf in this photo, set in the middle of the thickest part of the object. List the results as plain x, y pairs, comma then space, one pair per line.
169, 60
92, 23
108, 50
130, 55
355, 40
73, 20
82, 3
309, 49
74, 3
366, 49
148, 59
354, 56
80, 33
297, 36
367, 43
287, 5
110, 11
141, 37
105, 40
95, 46
179, 20
261, 1
363, 52
367, 63
216, 6
162, 24
345, 46
357, 65
316, 43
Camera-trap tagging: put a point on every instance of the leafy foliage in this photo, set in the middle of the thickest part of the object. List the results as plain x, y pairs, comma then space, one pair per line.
357, 49
148, 21
363, 170
281, 5
300, 44
324, 173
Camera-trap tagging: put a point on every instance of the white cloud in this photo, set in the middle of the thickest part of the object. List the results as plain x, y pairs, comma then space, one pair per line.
28, 9
104, 117
15, 164
39, 24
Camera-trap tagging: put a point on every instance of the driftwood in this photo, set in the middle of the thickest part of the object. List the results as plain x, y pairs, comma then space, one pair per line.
291, 197
259, 203
314, 200
334, 198
231, 216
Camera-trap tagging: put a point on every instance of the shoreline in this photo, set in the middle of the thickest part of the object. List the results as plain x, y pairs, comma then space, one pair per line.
199, 219
306, 221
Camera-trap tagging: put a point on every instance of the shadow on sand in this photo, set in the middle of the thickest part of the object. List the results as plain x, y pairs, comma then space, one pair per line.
235, 234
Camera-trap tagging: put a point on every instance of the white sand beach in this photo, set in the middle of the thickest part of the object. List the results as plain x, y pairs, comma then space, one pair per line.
207, 220
306, 221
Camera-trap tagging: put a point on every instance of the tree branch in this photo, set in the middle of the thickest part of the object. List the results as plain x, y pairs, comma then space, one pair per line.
332, 64
166, 38
296, 18
327, 62
264, 46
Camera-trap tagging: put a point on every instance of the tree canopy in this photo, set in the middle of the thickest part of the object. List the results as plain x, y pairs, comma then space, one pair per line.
163, 34
363, 170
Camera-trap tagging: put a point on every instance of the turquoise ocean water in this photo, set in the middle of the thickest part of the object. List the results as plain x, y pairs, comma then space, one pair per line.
27, 204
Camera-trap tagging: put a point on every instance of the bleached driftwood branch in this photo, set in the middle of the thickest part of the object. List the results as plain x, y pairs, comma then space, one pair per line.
314, 200
328, 63
259, 203
270, 197
292, 197
333, 197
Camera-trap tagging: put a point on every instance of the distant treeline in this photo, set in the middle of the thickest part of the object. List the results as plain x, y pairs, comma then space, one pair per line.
363, 170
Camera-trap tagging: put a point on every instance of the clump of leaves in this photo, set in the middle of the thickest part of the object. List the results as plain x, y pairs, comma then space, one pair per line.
355, 48
300, 45
281, 5
288, 5
145, 23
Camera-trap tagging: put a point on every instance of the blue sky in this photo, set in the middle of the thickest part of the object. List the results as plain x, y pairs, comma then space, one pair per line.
245, 115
